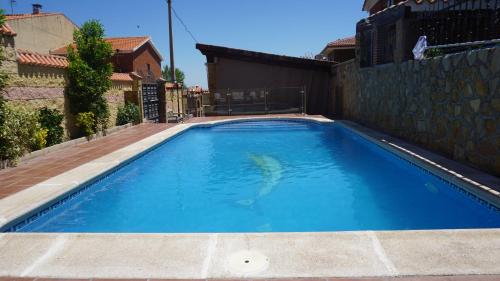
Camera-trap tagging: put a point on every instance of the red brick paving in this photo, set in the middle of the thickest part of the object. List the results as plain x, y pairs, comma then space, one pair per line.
39, 169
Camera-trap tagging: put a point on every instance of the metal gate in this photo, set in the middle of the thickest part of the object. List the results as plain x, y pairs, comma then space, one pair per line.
151, 102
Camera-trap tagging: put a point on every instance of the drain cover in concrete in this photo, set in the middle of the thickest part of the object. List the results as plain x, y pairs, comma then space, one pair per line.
244, 263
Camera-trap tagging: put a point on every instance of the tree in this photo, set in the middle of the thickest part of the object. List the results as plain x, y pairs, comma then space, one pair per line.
89, 73
179, 75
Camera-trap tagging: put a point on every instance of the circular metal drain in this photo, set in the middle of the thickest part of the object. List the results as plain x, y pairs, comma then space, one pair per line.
247, 262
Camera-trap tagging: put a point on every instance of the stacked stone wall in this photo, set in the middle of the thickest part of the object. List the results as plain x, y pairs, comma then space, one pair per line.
36, 87
448, 104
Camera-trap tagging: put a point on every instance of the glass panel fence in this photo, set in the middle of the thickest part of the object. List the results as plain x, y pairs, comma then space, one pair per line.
257, 101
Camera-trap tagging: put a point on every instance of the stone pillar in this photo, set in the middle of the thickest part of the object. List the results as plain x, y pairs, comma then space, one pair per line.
162, 96
137, 89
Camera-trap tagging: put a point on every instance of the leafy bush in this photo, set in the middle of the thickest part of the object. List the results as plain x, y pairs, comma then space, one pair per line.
128, 114
19, 133
39, 139
51, 120
86, 121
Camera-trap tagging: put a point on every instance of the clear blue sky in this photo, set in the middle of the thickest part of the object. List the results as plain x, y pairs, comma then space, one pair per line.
287, 27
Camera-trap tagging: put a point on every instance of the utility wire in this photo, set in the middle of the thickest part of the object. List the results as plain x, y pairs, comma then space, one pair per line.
185, 26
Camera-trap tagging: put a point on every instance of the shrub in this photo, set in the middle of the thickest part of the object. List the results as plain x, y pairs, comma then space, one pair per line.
18, 133
128, 114
39, 139
51, 120
86, 121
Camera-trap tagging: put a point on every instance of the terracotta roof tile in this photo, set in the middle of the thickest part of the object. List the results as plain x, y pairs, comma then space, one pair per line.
344, 42
33, 58
121, 77
24, 16
123, 44
127, 43
6, 29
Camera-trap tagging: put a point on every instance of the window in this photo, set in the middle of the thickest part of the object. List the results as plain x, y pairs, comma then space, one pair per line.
149, 74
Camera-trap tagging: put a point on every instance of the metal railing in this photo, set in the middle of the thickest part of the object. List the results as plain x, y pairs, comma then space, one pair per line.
459, 21
443, 22
258, 101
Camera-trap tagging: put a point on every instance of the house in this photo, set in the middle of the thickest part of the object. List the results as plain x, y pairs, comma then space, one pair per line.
194, 101
249, 82
37, 79
131, 54
39, 32
138, 56
339, 50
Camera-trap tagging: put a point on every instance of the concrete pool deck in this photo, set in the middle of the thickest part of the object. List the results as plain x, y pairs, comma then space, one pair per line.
213, 256
269, 255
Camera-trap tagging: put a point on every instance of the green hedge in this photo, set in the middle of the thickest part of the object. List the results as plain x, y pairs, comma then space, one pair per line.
128, 114
23, 130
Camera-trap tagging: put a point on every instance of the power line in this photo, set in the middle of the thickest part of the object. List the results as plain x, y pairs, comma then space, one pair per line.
185, 26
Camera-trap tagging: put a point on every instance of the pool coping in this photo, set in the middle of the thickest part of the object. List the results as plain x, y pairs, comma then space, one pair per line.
42, 194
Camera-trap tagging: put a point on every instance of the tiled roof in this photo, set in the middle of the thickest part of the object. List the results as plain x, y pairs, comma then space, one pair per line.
5, 29
127, 43
121, 77
123, 44
24, 16
32, 58
344, 42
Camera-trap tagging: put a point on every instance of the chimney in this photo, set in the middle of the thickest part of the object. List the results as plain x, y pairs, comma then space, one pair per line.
37, 8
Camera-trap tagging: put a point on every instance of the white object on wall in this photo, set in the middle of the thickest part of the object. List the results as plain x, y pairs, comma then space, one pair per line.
420, 47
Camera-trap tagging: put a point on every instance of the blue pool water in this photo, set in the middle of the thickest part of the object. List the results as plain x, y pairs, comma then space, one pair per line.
267, 176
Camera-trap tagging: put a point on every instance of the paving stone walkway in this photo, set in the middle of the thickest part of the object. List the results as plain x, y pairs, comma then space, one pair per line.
39, 169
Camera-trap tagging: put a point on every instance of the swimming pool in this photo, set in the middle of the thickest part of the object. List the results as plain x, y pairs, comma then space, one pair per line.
267, 176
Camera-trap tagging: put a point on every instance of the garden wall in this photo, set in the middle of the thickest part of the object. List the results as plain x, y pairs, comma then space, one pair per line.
448, 104
40, 86
45, 88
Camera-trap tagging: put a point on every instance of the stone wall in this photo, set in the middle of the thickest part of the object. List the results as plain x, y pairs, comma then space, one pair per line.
54, 98
448, 104
40, 86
